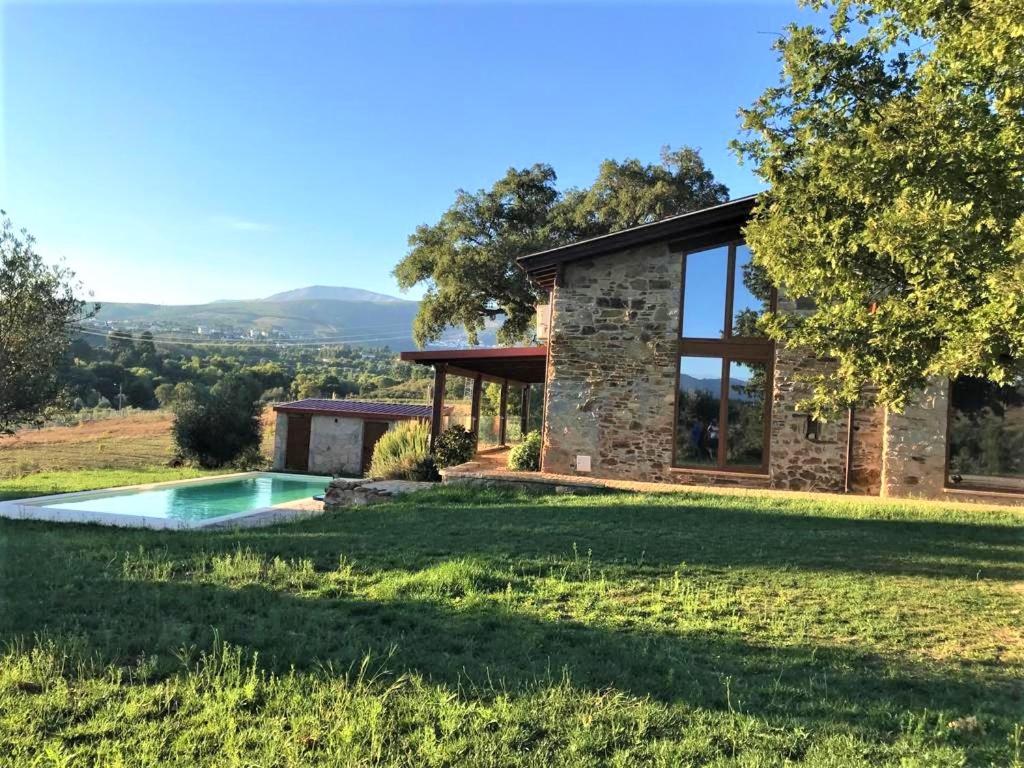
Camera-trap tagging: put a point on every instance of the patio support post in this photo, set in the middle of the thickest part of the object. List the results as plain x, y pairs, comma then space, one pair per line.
474, 418
440, 377
502, 411
524, 410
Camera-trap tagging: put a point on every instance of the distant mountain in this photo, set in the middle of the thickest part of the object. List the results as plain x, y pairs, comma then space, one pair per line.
381, 322
332, 293
714, 386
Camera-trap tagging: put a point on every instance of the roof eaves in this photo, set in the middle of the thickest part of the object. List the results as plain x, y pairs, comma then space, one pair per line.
664, 229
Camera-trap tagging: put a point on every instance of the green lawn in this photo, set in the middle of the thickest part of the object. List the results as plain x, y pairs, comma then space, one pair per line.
467, 628
44, 483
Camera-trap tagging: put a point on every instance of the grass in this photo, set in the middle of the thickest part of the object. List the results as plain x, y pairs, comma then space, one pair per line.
478, 628
44, 483
132, 440
127, 448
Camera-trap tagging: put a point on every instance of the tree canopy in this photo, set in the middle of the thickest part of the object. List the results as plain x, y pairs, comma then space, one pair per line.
467, 260
893, 148
37, 309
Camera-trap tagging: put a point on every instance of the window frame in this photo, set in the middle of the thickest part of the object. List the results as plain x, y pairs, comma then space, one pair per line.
1007, 484
738, 349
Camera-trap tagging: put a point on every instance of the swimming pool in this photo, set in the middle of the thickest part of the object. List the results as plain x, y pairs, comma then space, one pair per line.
180, 504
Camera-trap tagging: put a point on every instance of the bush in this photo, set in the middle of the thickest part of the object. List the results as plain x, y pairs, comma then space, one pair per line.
454, 446
218, 426
403, 453
525, 457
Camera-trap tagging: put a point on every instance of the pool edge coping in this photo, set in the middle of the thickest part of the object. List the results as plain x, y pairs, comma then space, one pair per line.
35, 507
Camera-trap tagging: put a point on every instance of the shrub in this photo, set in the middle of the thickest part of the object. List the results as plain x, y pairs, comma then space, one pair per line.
403, 453
525, 457
218, 426
454, 446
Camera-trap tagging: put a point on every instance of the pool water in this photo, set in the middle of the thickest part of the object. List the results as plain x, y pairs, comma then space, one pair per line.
203, 500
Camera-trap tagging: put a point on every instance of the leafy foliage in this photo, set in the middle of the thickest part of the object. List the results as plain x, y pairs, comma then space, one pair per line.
525, 457
467, 260
403, 453
149, 374
894, 151
453, 446
37, 306
219, 425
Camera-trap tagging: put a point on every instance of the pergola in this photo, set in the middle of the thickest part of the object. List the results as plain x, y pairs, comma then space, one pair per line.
516, 367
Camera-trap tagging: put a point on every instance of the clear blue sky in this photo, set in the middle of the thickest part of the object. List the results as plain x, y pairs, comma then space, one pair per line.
187, 152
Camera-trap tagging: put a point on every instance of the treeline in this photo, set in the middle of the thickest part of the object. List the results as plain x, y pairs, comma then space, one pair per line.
141, 372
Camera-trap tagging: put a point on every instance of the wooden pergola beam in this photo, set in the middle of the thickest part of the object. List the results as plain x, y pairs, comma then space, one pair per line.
524, 410
437, 411
474, 419
502, 411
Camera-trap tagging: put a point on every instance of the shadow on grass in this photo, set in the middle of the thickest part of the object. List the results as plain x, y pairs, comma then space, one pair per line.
618, 532
481, 649
57, 580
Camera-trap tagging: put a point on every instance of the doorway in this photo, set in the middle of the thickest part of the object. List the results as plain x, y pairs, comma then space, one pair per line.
296, 451
372, 432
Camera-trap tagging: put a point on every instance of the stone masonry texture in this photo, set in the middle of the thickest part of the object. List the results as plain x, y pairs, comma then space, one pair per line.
613, 363
914, 452
336, 445
610, 394
799, 462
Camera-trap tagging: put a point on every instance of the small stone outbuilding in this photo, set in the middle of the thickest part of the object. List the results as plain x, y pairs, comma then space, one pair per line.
335, 437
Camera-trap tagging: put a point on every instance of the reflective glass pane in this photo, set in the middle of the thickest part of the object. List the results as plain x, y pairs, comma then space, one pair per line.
747, 388
751, 295
986, 435
704, 293
697, 429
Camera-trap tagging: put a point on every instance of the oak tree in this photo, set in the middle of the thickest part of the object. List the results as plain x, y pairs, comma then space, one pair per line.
467, 260
893, 148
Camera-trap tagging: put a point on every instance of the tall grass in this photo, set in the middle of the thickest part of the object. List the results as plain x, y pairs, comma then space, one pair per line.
403, 453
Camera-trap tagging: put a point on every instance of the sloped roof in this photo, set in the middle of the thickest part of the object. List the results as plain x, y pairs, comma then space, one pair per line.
692, 229
356, 409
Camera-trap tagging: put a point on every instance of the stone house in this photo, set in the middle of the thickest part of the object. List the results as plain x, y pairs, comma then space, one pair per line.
653, 370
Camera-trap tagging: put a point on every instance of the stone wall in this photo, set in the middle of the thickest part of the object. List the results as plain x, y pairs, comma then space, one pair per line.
799, 462
280, 439
613, 345
818, 462
914, 446
611, 390
336, 445
868, 436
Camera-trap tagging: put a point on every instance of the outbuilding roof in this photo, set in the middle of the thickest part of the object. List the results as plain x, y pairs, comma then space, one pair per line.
356, 409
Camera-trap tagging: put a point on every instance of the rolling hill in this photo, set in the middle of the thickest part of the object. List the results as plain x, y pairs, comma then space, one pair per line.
363, 319
333, 292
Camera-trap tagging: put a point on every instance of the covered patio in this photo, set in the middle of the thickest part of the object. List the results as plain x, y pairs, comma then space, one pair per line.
514, 369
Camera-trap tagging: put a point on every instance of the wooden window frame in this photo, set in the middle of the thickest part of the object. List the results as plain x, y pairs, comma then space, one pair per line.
969, 487
731, 349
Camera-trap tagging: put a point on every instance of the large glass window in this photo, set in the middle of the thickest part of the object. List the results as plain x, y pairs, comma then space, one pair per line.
986, 435
704, 290
748, 386
698, 410
725, 361
752, 295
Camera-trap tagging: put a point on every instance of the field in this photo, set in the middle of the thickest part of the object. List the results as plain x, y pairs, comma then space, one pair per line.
130, 447
463, 629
